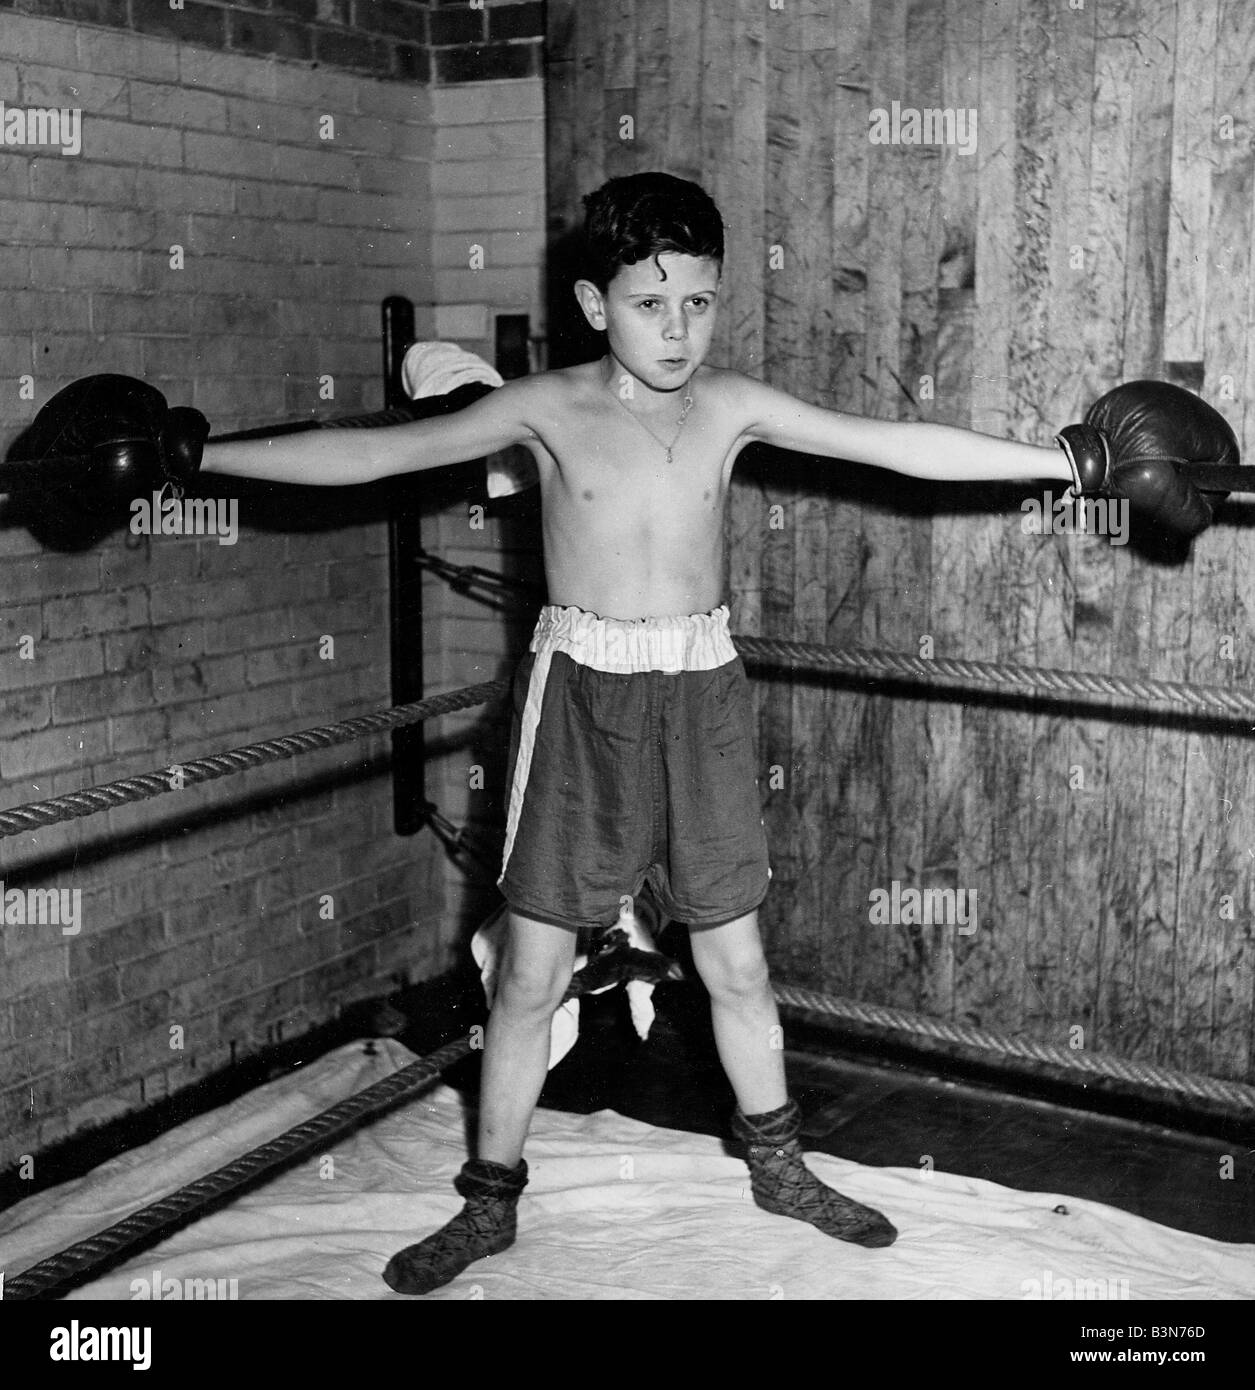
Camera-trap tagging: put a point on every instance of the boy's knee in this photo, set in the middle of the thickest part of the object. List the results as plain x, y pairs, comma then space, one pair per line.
531, 986
738, 977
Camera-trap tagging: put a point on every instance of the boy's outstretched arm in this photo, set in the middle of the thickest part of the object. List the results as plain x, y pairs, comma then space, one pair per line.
923, 450
331, 458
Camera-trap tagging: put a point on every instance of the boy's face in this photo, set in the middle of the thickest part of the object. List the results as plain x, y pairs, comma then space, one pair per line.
658, 328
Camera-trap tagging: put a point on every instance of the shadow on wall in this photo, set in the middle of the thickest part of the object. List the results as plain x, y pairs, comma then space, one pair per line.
571, 340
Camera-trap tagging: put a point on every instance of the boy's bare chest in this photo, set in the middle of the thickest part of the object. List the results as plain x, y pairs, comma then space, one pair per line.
617, 463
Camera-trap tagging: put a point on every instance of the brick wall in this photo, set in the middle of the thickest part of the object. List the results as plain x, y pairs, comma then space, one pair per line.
488, 180
440, 41
206, 915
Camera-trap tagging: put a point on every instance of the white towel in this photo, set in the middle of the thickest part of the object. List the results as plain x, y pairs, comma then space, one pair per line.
640, 924
435, 369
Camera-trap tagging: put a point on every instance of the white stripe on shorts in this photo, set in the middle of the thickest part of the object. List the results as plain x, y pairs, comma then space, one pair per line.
528, 724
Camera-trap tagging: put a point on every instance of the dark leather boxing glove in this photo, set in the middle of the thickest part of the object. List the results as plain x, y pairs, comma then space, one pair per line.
183, 438
128, 439
1132, 444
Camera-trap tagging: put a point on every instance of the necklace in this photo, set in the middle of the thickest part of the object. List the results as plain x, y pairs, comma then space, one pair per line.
684, 414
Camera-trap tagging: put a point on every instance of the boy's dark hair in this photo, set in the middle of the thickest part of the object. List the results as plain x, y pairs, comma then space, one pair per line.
631, 218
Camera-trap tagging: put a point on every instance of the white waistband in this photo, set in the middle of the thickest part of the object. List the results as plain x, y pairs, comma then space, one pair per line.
624, 646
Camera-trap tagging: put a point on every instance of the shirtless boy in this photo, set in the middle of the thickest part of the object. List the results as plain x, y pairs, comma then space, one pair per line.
631, 751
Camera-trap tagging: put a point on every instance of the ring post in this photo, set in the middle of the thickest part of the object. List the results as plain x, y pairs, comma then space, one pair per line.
405, 591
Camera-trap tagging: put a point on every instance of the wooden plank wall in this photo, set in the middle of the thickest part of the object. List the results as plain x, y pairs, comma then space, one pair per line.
1101, 231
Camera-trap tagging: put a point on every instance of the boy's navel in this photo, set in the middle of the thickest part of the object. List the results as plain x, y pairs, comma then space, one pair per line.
588, 494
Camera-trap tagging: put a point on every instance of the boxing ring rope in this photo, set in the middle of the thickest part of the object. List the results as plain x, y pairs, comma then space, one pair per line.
193, 1198
90, 800
77, 470
1142, 695
1183, 1083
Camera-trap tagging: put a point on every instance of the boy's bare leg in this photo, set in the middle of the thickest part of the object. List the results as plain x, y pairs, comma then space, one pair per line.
534, 973
743, 1011
733, 968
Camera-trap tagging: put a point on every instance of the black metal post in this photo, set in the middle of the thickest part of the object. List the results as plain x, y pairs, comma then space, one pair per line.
409, 754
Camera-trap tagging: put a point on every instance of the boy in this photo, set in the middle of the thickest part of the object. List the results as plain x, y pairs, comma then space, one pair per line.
631, 752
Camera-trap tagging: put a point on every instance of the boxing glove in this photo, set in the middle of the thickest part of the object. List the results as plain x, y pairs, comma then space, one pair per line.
127, 438
1132, 444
